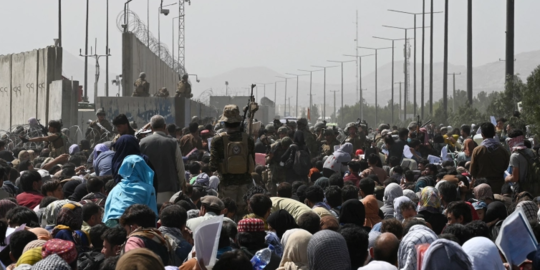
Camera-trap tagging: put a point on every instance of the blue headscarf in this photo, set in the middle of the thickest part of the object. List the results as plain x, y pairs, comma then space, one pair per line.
135, 169
100, 148
125, 145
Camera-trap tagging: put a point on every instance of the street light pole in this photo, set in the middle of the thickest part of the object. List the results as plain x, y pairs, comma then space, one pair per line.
285, 96
297, 82
107, 56
400, 100
445, 68
310, 84
376, 78
393, 40
86, 54
324, 88
174, 63
360, 80
335, 114
348, 61
454, 91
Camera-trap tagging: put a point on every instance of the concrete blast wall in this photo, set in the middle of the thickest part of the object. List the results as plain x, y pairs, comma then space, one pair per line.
137, 58
24, 85
178, 111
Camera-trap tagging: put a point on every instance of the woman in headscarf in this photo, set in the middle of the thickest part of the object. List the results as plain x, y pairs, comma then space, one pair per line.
353, 211
418, 234
429, 208
411, 195
397, 203
295, 254
289, 157
483, 193
446, 255
281, 221
23, 156
125, 146
391, 192
483, 254
135, 188
328, 250
74, 149
98, 149
372, 211
338, 161
68, 226
323, 182
286, 236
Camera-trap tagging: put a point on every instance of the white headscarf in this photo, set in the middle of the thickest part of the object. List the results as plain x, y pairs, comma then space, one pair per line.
483, 254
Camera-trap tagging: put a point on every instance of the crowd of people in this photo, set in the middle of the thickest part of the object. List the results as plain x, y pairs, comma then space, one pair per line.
317, 196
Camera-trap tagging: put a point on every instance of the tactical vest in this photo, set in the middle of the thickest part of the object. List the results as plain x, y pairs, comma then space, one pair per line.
55, 152
236, 156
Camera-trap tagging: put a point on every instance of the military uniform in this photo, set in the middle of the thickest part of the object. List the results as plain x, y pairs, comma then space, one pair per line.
328, 146
233, 185
142, 87
163, 92
95, 133
184, 90
58, 145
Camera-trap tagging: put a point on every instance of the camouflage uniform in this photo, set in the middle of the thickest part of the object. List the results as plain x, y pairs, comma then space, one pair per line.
142, 87
358, 141
163, 92
233, 186
95, 133
184, 88
271, 133
328, 146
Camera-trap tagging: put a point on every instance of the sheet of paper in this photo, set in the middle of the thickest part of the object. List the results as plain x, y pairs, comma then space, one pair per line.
206, 238
434, 159
493, 120
407, 152
385, 151
444, 152
260, 159
516, 238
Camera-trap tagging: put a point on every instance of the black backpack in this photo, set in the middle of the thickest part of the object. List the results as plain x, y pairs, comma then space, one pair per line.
90, 260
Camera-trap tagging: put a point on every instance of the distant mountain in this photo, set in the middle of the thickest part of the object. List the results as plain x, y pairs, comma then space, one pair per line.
488, 78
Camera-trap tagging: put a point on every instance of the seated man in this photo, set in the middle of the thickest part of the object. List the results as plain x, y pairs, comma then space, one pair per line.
31, 183
211, 206
173, 222
113, 239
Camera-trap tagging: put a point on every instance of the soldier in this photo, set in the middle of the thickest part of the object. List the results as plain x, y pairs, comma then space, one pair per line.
277, 149
142, 87
292, 128
352, 137
329, 142
184, 88
163, 92
271, 133
99, 130
309, 138
232, 155
58, 143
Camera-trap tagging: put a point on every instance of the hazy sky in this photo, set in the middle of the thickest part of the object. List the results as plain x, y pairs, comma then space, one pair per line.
283, 35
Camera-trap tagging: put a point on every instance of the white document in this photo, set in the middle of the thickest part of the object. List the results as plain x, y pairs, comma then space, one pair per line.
210, 143
206, 239
493, 120
385, 151
444, 153
407, 152
434, 159
516, 238
336, 147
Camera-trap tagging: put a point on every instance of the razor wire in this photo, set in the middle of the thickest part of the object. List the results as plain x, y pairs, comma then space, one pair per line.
136, 26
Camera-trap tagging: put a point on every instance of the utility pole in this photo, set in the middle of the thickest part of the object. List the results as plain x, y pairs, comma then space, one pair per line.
324, 88
95, 56
360, 80
376, 78
227, 89
275, 93
454, 91
60, 23
431, 63
107, 56
310, 84
392, 98
445, 68
400, 101
86, 54
341, 82
264, 88
297, 82
510, 43
469, 53
423, 52
285, 96
335, 114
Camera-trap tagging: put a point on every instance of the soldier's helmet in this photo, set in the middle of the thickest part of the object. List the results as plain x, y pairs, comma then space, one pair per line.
329, 132
302, 122
283, 130
270, 128
350, 125
100, 111
231, 114
319, 126
142, 75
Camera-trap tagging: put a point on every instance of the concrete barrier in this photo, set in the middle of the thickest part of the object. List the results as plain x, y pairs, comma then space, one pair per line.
137, 58
5, 92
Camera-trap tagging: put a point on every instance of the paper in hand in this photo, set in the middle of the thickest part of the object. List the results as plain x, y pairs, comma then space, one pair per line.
516, 238
206, 239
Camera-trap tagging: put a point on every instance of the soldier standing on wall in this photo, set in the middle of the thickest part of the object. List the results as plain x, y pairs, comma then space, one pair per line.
142, 87
232, 155
163, 92
100, 127
184, 88
58, 143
